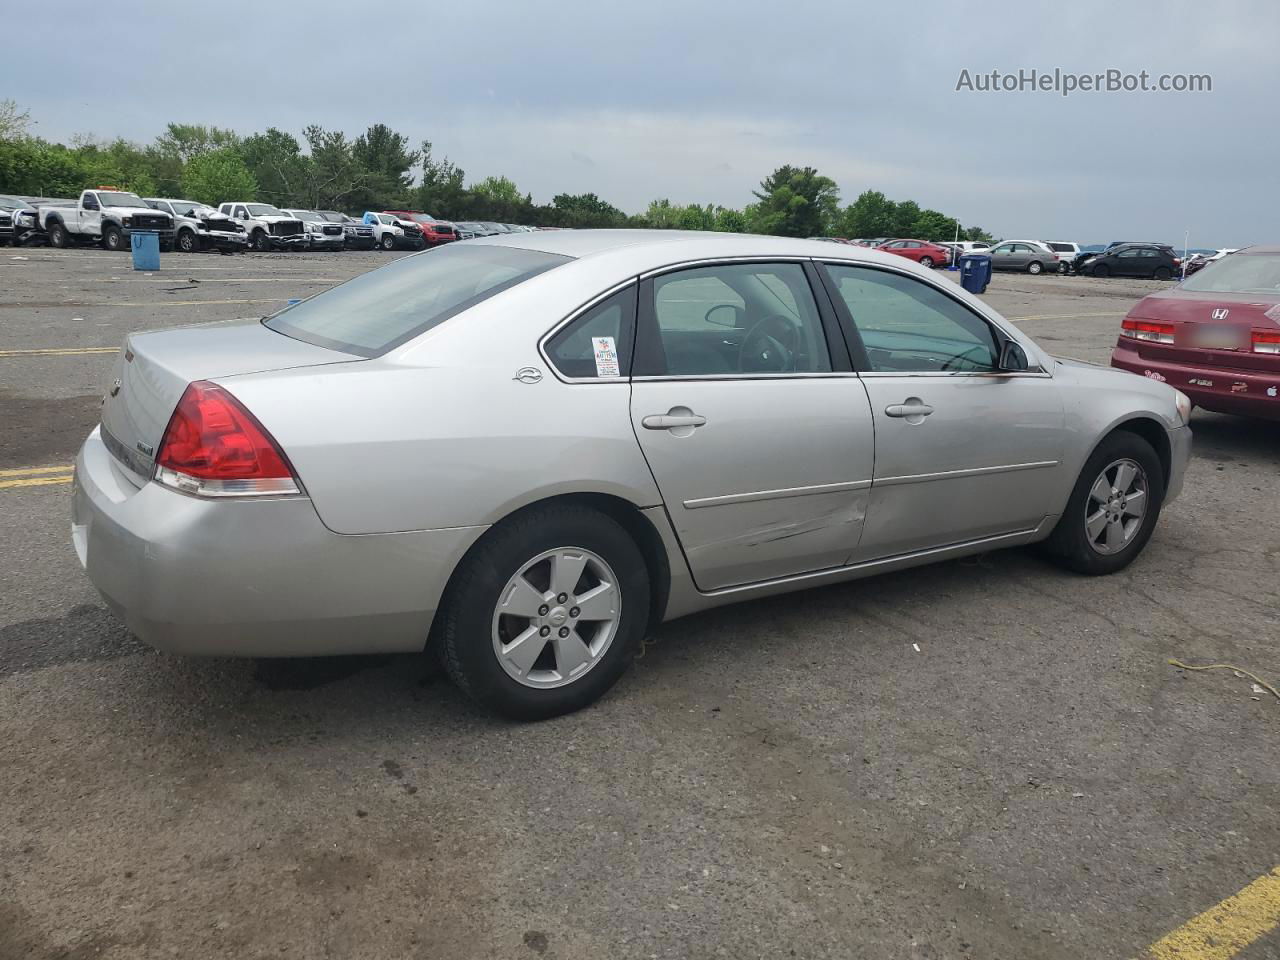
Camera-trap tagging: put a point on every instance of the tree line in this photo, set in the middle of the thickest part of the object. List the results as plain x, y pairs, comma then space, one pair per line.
382, 170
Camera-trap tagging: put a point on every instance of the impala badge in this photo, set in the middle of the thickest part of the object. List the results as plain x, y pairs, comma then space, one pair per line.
1220, 313
528, 375
146, 449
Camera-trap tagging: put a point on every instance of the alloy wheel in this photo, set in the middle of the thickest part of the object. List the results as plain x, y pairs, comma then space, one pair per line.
556, 617
1116, 506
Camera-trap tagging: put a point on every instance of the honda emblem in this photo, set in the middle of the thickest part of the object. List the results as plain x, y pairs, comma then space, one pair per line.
1220, 313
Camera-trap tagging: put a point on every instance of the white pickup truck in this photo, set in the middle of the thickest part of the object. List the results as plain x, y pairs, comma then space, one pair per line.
268, 227
104, 216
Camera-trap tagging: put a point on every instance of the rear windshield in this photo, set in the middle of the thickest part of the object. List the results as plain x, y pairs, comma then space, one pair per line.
1238, 273
382, 309
1060, 247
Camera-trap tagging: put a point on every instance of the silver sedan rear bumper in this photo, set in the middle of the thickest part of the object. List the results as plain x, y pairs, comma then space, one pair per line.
252, 578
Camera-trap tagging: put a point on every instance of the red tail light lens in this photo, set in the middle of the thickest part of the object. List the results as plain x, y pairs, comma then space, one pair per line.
1149, 330
214, 447
1266, 341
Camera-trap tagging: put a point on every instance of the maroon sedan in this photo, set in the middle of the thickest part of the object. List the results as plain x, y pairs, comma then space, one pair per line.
1215, 336
921, 251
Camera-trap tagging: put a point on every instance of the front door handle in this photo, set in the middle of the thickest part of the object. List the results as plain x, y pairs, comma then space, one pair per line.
913, 409
667, 421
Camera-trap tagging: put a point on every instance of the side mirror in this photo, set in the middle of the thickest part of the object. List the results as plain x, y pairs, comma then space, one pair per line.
1013, 359
723, 315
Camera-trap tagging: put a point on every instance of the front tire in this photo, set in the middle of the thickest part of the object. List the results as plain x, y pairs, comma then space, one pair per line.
1101, 270
261, 242
388, 242
113, 239
187, 242
1035, 267
545, 613
1113, 507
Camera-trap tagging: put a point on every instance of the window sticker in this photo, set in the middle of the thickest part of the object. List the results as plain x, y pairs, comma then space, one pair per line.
606, 357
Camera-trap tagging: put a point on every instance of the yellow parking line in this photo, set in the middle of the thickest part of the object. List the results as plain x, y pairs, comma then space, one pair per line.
34, 482
32, 471
1223, 931
57, 351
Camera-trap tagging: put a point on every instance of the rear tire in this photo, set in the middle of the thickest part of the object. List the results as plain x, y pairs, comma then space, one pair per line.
1162, 273
926, 262
481, 643
1035, 267
1076, 545
112, 239
57, 235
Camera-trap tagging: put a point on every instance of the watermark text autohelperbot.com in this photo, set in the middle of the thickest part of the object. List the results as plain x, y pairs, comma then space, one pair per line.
1066, 83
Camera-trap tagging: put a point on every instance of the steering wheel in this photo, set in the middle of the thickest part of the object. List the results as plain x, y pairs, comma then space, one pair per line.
770, 346
954, 362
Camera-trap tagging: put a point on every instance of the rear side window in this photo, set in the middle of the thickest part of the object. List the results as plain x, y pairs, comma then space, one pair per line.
384, 308
598, 343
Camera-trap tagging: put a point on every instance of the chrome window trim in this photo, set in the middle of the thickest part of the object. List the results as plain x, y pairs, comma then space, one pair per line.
820, 375
782, 494
578, 312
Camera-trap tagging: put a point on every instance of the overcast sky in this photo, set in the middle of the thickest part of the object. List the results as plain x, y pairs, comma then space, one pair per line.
697, 101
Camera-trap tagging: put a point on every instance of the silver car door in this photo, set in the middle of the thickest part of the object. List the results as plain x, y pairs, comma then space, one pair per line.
962, 450
757, 433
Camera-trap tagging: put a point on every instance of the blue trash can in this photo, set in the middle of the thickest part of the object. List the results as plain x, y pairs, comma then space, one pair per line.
975, 272
145, 245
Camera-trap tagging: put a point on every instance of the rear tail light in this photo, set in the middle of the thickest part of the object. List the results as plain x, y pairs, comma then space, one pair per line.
214, 447
1266, 341
1147, 330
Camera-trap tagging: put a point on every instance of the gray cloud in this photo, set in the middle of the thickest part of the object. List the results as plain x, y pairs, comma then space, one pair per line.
697, 102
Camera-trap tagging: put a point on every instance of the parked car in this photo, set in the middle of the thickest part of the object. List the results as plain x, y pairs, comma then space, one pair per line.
434, 232
1198, 261
474, 228
923, 252
356, 234
1157, 262
6, 219
200, 227
957, 249
393, 233
1028, 256
1067, 252
105, 216
1215, 336
240, 465
268, 227
321, 233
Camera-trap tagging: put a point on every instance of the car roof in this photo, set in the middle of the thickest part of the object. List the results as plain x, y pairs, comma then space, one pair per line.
680, 245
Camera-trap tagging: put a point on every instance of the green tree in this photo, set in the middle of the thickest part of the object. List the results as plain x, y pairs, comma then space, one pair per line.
662, 215
177, 145
584, 210
442, 192
118, 163
14, 121
275, 159
932, 225
217, 176
871, 215
905, 214
796, 202
32, 167
335, 179
386, 156
730, 221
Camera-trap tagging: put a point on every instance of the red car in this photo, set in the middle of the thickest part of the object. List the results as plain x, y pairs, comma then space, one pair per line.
433, 231
921, 251
1215, 336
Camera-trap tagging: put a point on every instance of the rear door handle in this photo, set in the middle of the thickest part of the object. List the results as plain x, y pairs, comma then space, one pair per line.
667, 420
913, 408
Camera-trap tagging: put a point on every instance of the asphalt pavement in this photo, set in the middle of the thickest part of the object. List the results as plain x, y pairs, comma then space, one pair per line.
988, 758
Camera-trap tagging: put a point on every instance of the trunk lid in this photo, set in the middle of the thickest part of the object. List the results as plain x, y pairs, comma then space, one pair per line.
153, 369
1210, 329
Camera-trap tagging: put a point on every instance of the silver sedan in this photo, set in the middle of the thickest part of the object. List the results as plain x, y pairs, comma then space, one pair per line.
522, 453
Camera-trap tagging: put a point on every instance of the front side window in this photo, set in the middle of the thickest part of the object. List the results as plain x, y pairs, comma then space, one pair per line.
733, 319
908, 326
1130, 253
384, 308
598, 343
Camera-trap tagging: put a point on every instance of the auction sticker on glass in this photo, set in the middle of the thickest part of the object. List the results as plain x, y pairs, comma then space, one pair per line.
606, 357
